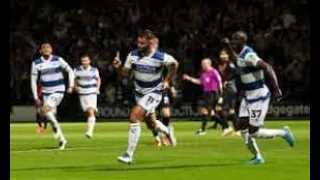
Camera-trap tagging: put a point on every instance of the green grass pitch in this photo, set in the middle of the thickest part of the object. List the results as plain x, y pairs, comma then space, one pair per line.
34, 156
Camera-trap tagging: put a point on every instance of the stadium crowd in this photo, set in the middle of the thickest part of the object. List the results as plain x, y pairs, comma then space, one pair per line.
189, 30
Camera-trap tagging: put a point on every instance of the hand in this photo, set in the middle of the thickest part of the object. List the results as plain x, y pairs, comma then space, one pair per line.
98, 91
77, 88
116, 62
225, 41
38, 102
186, 77
165, 84
69, 90
277, 95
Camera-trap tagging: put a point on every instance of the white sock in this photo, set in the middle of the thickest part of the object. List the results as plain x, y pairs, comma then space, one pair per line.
254, 146
248, 141
50, 115
162, 127
269, 133
134, 135
91, 123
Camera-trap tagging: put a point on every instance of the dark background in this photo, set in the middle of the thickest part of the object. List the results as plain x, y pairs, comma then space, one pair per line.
189, 30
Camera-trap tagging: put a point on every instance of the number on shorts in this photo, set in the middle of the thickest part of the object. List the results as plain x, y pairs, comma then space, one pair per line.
150, 100
255, 114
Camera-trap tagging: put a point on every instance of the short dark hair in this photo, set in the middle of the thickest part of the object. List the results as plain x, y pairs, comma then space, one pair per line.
84, 55
148, 34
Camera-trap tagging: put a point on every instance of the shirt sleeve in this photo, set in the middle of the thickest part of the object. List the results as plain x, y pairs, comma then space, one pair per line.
33, 79
97, 74
168, 59
252, 59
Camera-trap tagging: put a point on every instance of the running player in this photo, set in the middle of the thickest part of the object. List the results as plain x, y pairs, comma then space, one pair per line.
255, 103
210, 81
49, 69
227, 72
87, 86
146, 66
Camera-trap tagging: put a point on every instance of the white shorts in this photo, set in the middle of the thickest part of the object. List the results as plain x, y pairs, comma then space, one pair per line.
53, 100
88, 101
256, 111
149, 102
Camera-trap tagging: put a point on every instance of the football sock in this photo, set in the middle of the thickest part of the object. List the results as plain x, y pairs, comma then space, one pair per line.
91, 123
161, 127
268, 133
223, 121
165, 121
134, 135
56, 125
204, 119
39, 120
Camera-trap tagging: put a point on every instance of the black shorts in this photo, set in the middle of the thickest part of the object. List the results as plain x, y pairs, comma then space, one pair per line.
229, 100
209, 100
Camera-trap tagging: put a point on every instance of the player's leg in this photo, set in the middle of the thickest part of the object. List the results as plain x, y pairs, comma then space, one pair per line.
244, 129
151, 117
154, 131
38, 119
89, 106
50, 104
232, 114
166, 115
258, 112
222, 120
205, 116
136, 115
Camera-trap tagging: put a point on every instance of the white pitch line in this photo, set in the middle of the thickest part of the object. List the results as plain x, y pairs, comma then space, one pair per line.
48, 150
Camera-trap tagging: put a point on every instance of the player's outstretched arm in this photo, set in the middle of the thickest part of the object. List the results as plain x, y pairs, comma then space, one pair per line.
191, 79
123, 71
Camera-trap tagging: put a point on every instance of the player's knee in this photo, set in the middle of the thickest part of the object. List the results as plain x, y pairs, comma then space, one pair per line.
137, 114
90, 112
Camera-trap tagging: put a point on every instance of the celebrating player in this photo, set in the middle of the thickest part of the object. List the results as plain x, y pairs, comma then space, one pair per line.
49, 69
146, 66
255, 103
210, 81
87, 86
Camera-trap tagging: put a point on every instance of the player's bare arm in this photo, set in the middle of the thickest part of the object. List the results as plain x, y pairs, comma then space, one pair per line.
34, 87
273, 77
172, 69
98, 84
71, 75
191, 79
117, 64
